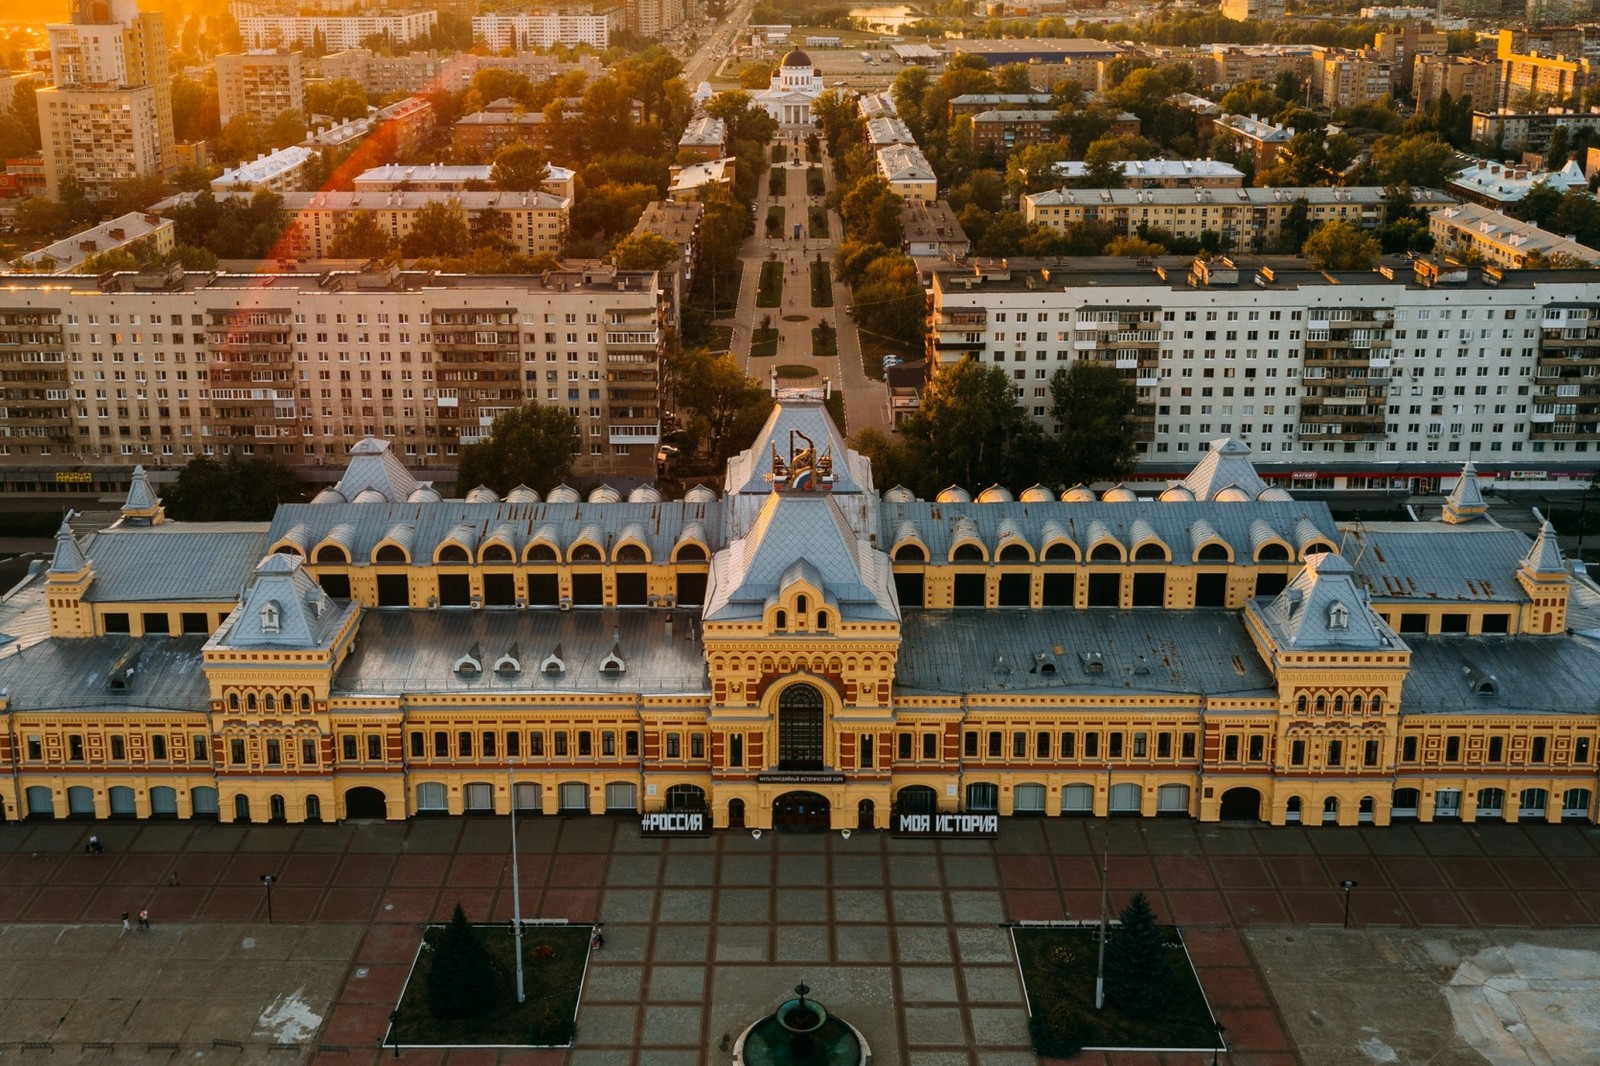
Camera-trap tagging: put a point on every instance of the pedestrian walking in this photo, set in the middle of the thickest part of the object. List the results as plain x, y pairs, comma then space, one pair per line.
125, 925
598, 940
144, 920
94, 847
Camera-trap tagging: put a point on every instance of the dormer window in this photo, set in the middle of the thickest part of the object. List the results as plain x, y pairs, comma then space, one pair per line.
1338, 616
271, 617
783, 620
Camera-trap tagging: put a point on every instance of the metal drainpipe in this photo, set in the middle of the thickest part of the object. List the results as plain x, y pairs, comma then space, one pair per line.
961, 763
638, 716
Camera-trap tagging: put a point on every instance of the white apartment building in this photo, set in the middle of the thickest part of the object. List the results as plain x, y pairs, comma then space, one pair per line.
280, 171
162, 366
102, 137
336, 31
524, 31
1370, 380
264, 84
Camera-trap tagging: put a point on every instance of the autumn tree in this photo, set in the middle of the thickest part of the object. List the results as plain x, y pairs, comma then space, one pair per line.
1337, 245
645, 251
969, 431
439, 228
361, 238
721, 404
519, 167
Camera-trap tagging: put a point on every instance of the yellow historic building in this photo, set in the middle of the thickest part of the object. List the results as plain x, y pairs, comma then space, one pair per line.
799, 650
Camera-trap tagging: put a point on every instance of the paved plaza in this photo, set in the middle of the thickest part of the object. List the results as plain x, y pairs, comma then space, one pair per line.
1468, 944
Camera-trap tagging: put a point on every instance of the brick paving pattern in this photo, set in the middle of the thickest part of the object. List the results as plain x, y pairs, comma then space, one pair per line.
904, 937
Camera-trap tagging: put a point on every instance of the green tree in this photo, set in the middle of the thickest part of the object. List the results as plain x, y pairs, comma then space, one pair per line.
439, 228
1138, 973
645, 251
1337, 245
519, 167
462, 982
1423, 160
286, 128
240, 140
871, 213
25, 106
234, 489
530, 445
361, 238
1556, 157
725, 406
1251, 98
970, 432
1093, 404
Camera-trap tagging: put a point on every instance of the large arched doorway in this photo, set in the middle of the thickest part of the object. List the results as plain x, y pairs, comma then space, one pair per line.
865, 810
800, 728
916, 799
801, 811
1241, 805
736, 814
365, 803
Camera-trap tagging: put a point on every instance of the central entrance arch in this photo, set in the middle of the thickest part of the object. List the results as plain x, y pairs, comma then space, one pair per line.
365, 802
800, 728
802, 811
1241, 805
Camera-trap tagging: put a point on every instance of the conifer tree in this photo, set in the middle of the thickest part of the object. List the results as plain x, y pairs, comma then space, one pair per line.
462, 982
1138, 977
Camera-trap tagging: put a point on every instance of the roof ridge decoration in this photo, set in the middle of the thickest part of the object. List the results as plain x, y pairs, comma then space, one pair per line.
1465, 502
282, 606
1226, 465
373, 465
804, 470
1545, 555
1323, 608
69, 558
143, 506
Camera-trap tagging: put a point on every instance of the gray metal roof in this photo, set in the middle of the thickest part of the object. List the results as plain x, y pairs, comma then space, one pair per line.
160, 673
417, 652
797, 414
1323, 608
367, 524
809, 527
173, 562
1178, 524
1501, 675
283, 607
1426, 561
1199, 653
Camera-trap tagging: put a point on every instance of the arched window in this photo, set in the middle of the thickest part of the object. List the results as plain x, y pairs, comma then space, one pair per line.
272, 702
1061, 552
1212, 553
1147, 552
822, 620
1338, 616
1014, 553
390, 553
497, 553
630, 553
454, 553
1105, 553
783, 620
910, 553
801, 604
967, 553
1300, 705
1355, 705
331, 553
691, 553
541, 553
233, 701
1338, 705
271, 616
585, 553
1377, 705
1272, 553
250, 701
1322, 704
305, 701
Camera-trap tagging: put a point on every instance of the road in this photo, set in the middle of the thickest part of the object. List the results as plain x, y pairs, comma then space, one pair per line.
703, 63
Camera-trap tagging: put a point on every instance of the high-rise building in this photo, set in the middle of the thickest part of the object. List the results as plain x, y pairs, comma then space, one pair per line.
264, 84
109, 116
1252, 10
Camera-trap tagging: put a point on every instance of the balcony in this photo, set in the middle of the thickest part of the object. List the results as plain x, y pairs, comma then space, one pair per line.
645, 433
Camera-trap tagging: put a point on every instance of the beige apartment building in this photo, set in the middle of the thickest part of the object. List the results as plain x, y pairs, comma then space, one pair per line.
1343, 77
161, 366
1555, 78
264, 84
1460, 76
534, 222
1248, 220
102, 137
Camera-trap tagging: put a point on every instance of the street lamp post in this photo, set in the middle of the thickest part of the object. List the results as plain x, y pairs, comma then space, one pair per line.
1105, 892
516, 886
1347, 886
269, 880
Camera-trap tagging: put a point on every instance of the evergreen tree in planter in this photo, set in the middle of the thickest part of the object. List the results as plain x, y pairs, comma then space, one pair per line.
1138, 977
461, 983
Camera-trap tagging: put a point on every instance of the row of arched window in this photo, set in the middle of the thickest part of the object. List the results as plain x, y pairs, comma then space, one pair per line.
255, 700
1322, 703
1105, 551
499, 552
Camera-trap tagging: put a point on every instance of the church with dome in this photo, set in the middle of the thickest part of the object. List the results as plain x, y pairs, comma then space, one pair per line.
799, 649
796, 84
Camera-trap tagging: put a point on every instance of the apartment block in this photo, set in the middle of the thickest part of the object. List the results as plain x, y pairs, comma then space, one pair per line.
264, 84
1530, 131
1164, 173
334, 31
1381, 371
161, 366
1000, 131
534, 222
1486, 235
1229, 64
1553, 78
101, 137
108, 117
523, 32
1246, 220
653, 18
1342, 77
1463, 77
1252, 10
906, 170
1251, 134
486, 132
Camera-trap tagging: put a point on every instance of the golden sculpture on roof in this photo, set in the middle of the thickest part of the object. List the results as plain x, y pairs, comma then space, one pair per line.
804, 470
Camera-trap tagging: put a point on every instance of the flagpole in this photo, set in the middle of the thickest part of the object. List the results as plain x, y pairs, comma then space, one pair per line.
516, 885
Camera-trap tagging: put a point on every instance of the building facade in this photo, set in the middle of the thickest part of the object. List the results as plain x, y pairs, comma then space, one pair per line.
799, 651
524, 32
335, 32
1370, 375
161, 366
534, 222
1483, 234
1001, 131
795, 86
264, 84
